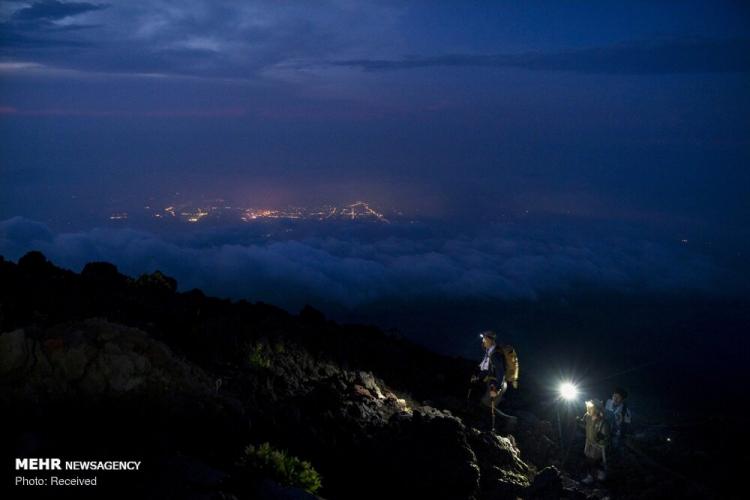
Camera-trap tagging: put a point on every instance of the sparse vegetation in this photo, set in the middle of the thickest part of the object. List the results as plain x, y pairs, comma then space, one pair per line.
279, 348
281, 467
157, 281
258, 357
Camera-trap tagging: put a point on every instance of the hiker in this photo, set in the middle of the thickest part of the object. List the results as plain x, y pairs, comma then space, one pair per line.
618, 416
499, 367
597, 440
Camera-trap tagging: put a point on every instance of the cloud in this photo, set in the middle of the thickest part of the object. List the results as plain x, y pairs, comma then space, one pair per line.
52, 10
298, 43
47, 24
15, 37
161, 113
664, 57
353, 269
218, 38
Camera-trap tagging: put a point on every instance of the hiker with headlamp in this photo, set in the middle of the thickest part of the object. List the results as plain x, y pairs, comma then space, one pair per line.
499, 367
598, 435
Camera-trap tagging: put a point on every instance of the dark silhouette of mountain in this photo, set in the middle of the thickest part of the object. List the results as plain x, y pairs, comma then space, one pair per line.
99, 365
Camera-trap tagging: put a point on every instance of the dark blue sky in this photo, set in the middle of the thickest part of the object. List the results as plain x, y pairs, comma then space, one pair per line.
634, 110
626, 117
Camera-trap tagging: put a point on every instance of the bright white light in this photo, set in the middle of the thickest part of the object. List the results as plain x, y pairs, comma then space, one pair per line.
568, 391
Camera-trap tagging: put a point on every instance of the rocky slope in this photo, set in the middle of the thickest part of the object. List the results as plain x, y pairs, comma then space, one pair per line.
100, 365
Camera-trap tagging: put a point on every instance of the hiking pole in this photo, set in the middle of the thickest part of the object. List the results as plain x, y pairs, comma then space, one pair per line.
492, 405
559, 431
472, 381
568, 394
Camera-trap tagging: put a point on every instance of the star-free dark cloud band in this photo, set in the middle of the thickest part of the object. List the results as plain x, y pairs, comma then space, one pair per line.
645, 58
52, 10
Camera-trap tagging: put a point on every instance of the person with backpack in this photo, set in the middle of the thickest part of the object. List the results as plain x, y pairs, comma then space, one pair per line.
618, 415
498, 368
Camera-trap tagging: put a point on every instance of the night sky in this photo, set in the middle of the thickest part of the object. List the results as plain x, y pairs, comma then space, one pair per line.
542, 147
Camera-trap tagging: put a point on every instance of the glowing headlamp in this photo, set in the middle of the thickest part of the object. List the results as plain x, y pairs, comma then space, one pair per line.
568, 391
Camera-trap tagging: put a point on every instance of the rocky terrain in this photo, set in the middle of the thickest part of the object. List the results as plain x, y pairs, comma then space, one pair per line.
100, 365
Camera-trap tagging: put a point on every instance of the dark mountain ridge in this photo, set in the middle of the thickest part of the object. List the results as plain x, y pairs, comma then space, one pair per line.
100, 365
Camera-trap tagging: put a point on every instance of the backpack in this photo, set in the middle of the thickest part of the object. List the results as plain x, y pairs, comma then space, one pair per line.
511, 365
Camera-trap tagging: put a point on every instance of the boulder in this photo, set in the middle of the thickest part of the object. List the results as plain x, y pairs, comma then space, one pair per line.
504, 474
95, 357
547, 485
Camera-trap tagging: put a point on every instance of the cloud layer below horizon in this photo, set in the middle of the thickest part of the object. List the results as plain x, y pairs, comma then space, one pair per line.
496, 263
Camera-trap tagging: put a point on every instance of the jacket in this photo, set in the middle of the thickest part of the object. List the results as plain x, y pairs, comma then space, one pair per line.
597, 437
618, 417
494, 375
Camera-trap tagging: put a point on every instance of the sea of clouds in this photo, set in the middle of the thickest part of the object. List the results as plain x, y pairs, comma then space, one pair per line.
356, 265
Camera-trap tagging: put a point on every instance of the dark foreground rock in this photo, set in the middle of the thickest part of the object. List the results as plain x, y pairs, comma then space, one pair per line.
99, 366
96, 377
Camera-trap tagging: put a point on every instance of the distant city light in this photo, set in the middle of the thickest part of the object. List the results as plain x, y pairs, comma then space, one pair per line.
359, 210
